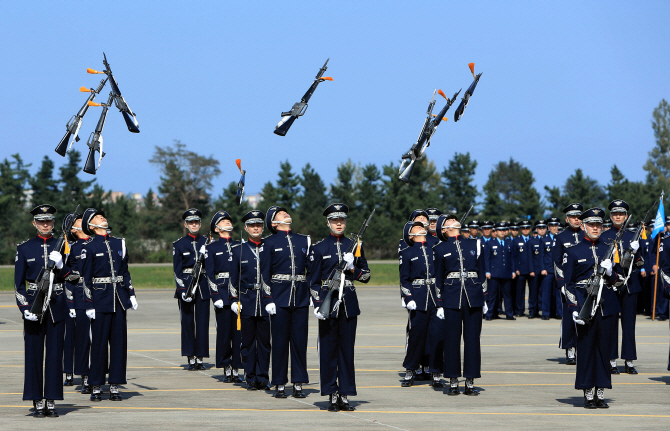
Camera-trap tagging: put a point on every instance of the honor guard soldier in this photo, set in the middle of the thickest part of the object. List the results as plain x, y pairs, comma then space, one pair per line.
534, 282
288, 301
42, 374
108, 293
194, 310
514, 229
500, 272
246, 276
465, 232
78, 327
523, 261
433, 214
661, 246
420, 216
627, 288
417, 287
474, 229
548, 283
461, 278
607, 225
487, 229
566, 239
337, 335
593, 338
218, 264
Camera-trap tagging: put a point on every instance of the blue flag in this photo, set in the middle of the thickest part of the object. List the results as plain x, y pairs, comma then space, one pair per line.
659, 223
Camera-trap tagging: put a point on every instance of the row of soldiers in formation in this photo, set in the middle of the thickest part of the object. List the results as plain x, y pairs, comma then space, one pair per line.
451, 279
279, 275
448, 284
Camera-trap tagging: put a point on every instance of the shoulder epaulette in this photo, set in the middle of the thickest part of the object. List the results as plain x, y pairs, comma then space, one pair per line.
236, 245
174, 242
266, 237
318, 242
406, 247
21, 243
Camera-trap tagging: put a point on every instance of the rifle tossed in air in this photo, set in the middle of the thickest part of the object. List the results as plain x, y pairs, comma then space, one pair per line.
240, 184
45, 279
595, 286
197, 271
468, 93
335, 281
95, 138
628, 256
74, 124
299, 108
429, 127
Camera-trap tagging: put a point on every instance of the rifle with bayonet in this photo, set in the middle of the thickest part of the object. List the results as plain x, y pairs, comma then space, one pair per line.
335, 281
429, 127
73, 126
95, 139
468, 93
45, 279
628, 256
128, 115
240, 184
299, 108
197, 271
594, 288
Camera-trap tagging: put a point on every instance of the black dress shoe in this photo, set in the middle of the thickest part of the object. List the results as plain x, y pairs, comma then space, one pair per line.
471, 391
96, 396
589, 404
86, 389
200, 366
343, 404
601, 404
487, 318
531, 316
281, 392
228, 379
191, 367
571, 361
630, 370
297, 392
661, 318
69, 380
251, 386
545, 317
50, 409
39, 409
510, 318
453, 390
237, 379
521, 315
262, 386
114, 394
406, 383
437, 383
615, 370
333, 406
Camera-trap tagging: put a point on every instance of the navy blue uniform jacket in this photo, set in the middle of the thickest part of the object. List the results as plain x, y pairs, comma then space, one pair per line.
464, 260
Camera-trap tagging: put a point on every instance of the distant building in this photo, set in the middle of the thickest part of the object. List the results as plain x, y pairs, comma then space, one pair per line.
253, 200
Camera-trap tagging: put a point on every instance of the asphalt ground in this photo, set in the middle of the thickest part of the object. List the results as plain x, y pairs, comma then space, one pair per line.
525, 383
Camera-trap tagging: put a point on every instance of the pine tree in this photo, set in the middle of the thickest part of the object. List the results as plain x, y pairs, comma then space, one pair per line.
458, 191
311, 204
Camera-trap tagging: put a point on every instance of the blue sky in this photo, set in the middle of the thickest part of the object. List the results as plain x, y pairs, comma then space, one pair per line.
565, 85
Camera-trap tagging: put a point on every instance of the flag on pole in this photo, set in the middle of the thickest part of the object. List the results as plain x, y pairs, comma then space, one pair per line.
659, 223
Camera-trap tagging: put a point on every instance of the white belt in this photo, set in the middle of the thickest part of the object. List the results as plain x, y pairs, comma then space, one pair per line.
422, 281
346, 283
222, 275
583, 283
187, 270
469, 274
33, 286
107, 280
288, 277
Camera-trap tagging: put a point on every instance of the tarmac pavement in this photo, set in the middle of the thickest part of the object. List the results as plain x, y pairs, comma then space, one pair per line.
525, 383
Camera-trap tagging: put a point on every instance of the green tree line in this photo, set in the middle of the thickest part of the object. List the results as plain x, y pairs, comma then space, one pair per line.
186, 180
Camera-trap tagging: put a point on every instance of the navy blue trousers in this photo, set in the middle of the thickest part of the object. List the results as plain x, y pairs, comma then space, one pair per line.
337, 371
593, 353
533, 295
228, 339
289, 332
424, 329
109, 347
497, 288
465, 323
519, 293
628, 304
568, 331
77, 347
661, 301
194, 327
550, 296
42, 378
256, 348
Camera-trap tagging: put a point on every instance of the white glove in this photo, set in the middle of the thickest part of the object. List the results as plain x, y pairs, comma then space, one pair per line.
73, 313
319, 315
219, 303
203, 249
607, 264
134, 303
485, 309
634, 245
91, 313
349, 258
234, 306
411, 305
440, 313
271, 309
184, 298
57, 258
30, 316
575, 317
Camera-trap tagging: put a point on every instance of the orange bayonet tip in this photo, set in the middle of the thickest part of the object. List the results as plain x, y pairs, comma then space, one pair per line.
441, 93
84, 89
93, 71
238, 162
443, 118
92, 103
326, 78
472, 68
